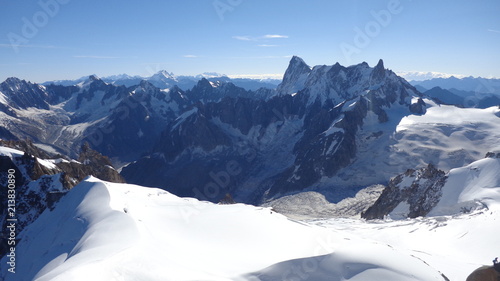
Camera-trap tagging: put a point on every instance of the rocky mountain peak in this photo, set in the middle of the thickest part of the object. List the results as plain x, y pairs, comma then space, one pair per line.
145, 85
298, 63
411, 194
380, 65
12, 81
492, 155
378, 73
163, 75
92, 83
88, 156
295, 76
204, 84
41, 182
336, 83
21, 94
93, 78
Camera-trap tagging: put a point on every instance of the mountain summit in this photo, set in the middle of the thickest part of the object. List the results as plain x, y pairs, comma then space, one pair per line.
325, 127
338, 83
306, 134
295, 76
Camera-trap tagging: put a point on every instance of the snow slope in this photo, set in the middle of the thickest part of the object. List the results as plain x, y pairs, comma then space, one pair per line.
447, 136
455, 245
470, 186
449, 240
105, 231
312, 204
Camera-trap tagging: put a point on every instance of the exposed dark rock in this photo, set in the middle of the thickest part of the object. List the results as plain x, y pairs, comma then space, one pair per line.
26, 146
21, 94
418, 107
228, 199
92, 163
420, 189
321, 111
492, 155
40, 186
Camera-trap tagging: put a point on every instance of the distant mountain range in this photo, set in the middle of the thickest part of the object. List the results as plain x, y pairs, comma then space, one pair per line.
164, 80
466, 92
467, 84
328, 141
321, 128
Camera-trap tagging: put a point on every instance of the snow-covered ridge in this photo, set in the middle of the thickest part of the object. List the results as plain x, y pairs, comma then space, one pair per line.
14, 153
431, 192
467, 188
106, 231
339, 83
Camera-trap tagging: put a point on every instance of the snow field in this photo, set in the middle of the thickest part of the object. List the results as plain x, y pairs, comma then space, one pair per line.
107, 231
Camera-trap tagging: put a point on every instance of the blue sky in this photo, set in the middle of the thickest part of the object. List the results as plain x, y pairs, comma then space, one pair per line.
66, 39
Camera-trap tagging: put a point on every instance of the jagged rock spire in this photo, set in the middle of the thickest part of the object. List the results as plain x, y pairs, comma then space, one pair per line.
378, 73
294, 77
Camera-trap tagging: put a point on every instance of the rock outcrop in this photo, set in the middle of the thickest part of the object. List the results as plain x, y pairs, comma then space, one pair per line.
411, 194
41, 180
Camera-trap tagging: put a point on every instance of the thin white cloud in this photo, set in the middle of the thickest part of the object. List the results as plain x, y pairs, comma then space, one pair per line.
190, 56
259, 38
273, 36
426, 75
493, 30
257, 76
243, 38
267, 45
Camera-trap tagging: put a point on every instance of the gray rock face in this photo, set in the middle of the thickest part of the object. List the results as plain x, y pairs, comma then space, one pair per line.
112, 118
21, 94
419, 189
308, 131
295, 77
218, 138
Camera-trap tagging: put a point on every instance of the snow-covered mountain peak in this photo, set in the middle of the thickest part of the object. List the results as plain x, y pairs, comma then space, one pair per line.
16, 84
92, 81
338, 83
162, 74
13, 81
298, 62
295, 77
21, 94
94, 77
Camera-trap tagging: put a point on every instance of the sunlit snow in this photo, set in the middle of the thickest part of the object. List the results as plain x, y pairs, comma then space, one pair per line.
108, 231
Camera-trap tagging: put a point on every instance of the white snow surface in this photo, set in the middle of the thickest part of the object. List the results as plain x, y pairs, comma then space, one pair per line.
454, 245
470, 186
108, 231
446, 136
10, 152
